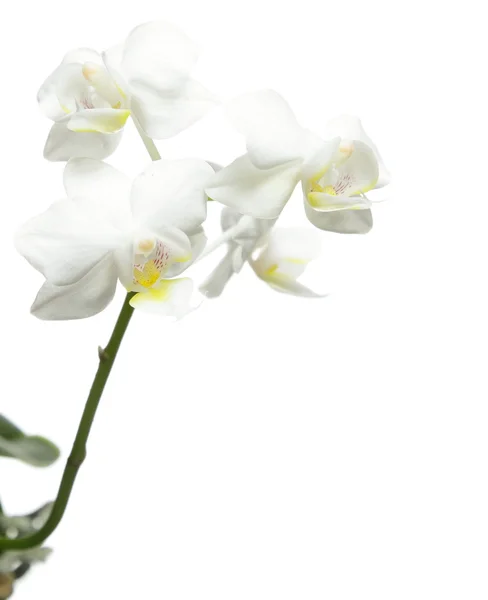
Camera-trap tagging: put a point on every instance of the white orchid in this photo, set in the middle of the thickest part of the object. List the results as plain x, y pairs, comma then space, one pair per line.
335, 173
108, 228
146, 232
90, 96
277, 256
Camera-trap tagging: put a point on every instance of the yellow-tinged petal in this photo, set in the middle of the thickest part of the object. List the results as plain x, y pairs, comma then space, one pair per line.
155, 294
297, 261
169, 297
329, 202
286, 253
354, 171
99, 120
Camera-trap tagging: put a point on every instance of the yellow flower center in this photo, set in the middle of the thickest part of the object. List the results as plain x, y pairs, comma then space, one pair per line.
152, 258
148, 276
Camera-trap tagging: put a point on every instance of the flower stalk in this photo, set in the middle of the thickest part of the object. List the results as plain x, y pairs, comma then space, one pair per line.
78, 453
106, 358
147, 141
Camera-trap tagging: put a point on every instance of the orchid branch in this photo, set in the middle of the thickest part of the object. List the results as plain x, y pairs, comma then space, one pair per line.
147, 141
78, 453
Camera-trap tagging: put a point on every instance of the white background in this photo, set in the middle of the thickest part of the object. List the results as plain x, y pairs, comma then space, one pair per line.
266, 447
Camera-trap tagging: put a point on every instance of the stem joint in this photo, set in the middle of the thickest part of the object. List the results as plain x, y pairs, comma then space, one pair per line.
103, 355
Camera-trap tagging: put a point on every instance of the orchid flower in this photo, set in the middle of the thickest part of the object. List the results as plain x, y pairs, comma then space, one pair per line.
108, 228
335, 173
277, 256
90, 96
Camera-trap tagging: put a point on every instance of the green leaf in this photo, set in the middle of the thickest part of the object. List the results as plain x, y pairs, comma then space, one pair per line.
33, 450
8, 430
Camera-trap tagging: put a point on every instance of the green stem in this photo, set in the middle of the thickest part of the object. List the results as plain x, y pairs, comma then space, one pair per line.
150, 145
78, 452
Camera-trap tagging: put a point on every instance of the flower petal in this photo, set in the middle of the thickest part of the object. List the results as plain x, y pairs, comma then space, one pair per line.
177, 242
254, 229
105, 93
198, 241
329, 203
48, 98
82, 55
216, 281
64, 243
71, 88
153, 256
273, 135
66, 88
287, 285
156, 61
252, 191
57, 94
350, 128
101, 120
124, 260
320, 161
172, 298
342, 185
164, 115
288, 251
112, 59
85, 298
63, 144
285, 257
103, 191
342, 221
171, 194
158, 55
239, 250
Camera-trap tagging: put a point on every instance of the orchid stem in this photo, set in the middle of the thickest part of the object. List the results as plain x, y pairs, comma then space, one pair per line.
106, 358
147, 141
78, 453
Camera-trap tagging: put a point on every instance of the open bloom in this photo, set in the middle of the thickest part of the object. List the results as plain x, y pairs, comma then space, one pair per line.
277, 256
90, 96
110, 228
335, 173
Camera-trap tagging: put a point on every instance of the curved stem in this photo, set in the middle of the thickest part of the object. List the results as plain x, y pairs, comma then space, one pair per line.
78, 453
148, 142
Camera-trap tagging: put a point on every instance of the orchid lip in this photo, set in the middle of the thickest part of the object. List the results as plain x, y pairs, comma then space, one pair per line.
151, 260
